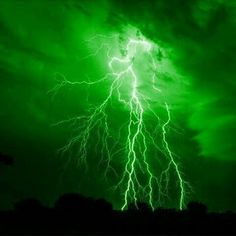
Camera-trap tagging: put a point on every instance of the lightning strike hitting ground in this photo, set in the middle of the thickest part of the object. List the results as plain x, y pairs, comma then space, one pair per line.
139, 181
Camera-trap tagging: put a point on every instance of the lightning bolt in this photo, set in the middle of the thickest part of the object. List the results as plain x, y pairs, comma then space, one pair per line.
139, 180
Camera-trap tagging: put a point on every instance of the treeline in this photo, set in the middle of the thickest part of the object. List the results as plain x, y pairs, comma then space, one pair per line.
75, 214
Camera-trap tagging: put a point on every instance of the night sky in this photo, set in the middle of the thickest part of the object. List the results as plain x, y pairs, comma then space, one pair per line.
41, 41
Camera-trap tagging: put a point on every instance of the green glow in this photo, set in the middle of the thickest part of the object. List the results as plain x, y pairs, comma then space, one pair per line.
125, 76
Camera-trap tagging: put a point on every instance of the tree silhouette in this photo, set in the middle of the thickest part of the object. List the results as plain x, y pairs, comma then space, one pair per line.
197, 208
77, 214
29, 205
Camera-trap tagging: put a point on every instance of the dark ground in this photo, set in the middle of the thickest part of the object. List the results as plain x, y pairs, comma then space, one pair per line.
75, 214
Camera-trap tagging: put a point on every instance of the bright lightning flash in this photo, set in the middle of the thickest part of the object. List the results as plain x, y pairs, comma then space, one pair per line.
139, 180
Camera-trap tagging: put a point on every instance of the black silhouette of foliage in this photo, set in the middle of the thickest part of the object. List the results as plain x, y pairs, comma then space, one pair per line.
141, 206
77, 214
197, 208
28, 205
78, 203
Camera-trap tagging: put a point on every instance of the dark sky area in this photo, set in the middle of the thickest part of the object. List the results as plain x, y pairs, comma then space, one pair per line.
41, 38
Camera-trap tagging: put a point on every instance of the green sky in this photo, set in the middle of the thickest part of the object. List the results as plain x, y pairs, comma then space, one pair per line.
42, 40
